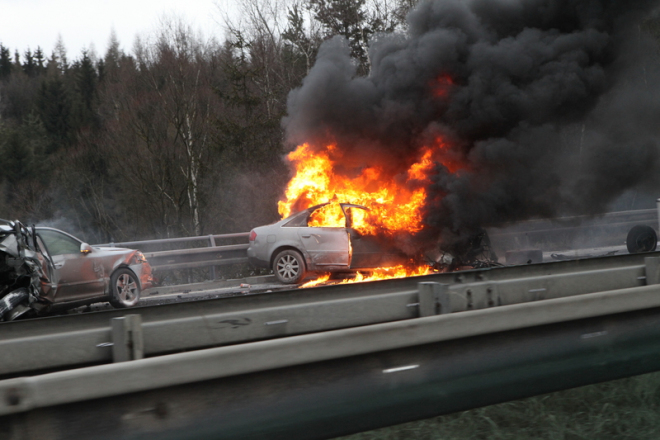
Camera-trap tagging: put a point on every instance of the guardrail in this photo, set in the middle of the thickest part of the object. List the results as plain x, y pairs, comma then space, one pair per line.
26, 346
215, 255
447, 356
591, 231
212, 256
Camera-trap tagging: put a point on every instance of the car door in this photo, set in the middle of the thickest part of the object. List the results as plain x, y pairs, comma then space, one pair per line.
80, 274
326, 246
367, 251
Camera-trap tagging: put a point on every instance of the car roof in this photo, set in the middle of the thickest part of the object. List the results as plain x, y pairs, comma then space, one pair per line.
350, 205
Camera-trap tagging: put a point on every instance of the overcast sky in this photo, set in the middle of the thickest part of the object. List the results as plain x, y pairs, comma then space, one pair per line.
30, 23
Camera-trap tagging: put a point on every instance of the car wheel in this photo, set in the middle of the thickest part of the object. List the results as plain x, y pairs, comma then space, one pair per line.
641, 238
289, 267
11, 300
124, 289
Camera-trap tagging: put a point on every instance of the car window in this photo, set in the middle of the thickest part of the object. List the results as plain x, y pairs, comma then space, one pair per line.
42, 247
58, 243
355, 216
327, 216
297, 220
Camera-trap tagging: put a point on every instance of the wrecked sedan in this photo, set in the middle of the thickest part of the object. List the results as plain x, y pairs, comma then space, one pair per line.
292, 248
45, 269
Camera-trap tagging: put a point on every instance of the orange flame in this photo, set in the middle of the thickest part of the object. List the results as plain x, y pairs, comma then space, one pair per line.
381, 273
394, 197
320, 280
384, 273
393, 206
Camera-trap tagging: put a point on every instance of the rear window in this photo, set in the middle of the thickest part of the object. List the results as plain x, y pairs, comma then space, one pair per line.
298, 220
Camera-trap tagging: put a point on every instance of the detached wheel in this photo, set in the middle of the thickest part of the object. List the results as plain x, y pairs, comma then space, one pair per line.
124, 289
641, 238
289, 267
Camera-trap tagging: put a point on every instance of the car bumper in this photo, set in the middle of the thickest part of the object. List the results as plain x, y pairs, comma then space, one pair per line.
257, 262
143, 272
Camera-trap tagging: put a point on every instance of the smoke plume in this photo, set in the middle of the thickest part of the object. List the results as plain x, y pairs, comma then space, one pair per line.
549, 107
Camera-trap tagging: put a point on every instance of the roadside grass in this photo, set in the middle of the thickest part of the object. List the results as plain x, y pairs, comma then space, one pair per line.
622, 409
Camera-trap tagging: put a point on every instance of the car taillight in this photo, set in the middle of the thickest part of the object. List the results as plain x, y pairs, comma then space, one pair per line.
253, 235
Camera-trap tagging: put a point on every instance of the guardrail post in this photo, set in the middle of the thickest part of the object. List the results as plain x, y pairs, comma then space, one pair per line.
652, 270
433, 298
212, 244
127, 340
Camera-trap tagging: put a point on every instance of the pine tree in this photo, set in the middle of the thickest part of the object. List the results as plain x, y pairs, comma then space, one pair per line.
39, 61
29, 65
86, 81
17, 163
55, 112
5, 62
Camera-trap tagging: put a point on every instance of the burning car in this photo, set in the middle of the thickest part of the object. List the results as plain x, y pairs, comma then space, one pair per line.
44, 269
299, 244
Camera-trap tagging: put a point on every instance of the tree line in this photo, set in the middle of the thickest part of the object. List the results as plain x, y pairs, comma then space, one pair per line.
181, 136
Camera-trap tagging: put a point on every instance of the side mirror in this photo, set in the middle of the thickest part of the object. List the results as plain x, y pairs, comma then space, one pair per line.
85, 249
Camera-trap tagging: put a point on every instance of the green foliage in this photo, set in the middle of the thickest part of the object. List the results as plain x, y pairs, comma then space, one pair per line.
349, 19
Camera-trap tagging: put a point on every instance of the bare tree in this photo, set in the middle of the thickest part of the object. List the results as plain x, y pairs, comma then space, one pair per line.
168, 109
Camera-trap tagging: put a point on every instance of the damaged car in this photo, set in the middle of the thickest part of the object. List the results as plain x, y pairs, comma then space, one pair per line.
293, 247
44, 269
27, 272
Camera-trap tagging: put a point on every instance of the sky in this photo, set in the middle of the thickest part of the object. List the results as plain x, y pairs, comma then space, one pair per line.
30, 23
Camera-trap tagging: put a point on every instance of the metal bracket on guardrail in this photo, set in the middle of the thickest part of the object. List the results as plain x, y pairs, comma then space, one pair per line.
127, 338
437, 299
652, 270
433, 299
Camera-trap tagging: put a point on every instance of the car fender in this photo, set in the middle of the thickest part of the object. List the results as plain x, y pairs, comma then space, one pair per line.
288, 244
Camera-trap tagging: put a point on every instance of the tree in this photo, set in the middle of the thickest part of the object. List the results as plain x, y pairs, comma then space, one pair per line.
29, 65
301, 35
5, 63
349, 19
86, 83
54, 107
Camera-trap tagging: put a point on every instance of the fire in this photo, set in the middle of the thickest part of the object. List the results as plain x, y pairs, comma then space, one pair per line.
384, 273
394, 193
394, 204
381, 273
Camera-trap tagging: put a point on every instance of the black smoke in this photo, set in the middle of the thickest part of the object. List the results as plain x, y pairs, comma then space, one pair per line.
554, 106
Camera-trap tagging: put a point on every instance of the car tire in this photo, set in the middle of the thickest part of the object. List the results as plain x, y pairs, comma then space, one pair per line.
124, 289
289, 267
641, 238
12, 299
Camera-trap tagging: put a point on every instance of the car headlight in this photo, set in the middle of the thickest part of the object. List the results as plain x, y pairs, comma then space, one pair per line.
138, 258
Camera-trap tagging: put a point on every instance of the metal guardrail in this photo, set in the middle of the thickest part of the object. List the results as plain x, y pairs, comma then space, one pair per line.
555, 233
332, 383
329, 361
26, 346
213, 255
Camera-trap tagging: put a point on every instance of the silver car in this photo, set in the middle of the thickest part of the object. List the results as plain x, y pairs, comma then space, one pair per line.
292, 248
88, 273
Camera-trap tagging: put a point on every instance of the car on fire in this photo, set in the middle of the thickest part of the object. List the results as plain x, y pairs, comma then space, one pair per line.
44, 269
292, 248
